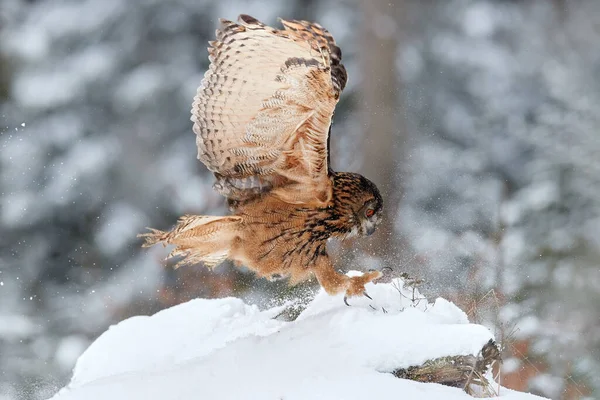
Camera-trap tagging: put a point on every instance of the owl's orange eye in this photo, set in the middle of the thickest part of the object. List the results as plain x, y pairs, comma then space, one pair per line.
370, 212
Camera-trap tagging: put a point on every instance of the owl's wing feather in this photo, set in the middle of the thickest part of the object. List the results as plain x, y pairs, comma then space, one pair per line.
263, 111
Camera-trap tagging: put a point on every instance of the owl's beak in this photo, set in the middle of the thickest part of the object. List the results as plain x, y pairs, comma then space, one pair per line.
370, 229
368, 226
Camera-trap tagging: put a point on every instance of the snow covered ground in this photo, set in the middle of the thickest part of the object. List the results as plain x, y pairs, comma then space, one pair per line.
226, 349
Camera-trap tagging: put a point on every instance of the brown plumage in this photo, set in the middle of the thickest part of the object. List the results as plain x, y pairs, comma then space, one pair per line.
262, 116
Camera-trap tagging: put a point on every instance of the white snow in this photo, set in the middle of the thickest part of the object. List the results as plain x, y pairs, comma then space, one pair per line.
69, 349
226, 349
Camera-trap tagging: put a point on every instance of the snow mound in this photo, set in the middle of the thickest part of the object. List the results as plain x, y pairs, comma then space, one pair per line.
226, 349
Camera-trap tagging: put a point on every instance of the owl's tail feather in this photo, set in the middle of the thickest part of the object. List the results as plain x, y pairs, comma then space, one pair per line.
197, 238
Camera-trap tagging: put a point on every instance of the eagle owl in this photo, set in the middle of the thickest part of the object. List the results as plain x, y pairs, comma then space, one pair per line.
262, 119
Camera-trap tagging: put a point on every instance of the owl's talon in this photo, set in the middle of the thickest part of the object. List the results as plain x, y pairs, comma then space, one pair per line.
346, 301
356, 284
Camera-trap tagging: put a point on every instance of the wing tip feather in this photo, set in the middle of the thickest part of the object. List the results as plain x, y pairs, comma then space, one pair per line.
250, 21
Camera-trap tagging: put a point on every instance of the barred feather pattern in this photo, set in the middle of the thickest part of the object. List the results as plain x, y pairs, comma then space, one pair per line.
263, 110
197, 238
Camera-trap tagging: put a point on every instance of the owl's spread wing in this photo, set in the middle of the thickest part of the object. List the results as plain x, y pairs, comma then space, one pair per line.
263, 111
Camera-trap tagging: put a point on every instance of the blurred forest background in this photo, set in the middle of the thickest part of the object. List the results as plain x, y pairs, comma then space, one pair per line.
479, 120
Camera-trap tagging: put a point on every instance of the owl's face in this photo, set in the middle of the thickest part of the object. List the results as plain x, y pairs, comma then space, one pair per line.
371, 207
357, 205
368, 217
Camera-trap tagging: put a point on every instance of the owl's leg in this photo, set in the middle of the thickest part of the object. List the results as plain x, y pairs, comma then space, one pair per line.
357, 284
333, 282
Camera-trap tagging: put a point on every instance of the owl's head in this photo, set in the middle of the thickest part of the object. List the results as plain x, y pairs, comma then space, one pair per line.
369, 213
358, 198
